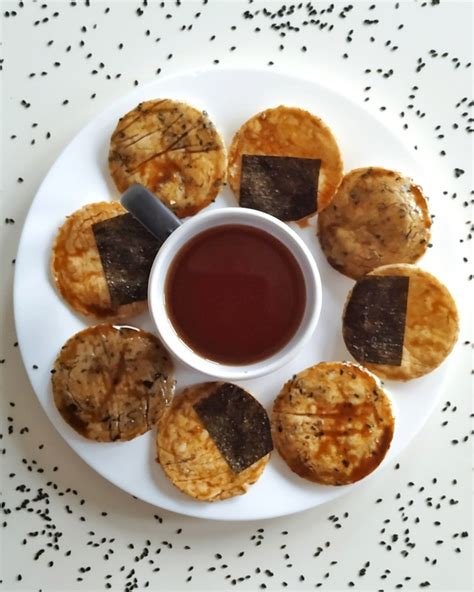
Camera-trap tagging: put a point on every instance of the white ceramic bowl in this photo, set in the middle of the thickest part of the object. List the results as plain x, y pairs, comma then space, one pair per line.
247, 217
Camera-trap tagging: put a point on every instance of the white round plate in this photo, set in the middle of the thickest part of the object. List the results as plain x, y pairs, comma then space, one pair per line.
80, 176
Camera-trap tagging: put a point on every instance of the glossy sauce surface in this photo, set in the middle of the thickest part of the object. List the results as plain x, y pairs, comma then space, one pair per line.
235, 294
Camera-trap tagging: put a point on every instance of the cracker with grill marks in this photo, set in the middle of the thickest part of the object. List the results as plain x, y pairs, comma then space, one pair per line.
112, 383
172, 149
190, 457
332, 423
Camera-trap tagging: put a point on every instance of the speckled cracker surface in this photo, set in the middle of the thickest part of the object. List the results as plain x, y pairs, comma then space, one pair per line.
189, 456
431, 325
332, 423
288, 131
377, 217
171, 148
112, 383
77, 269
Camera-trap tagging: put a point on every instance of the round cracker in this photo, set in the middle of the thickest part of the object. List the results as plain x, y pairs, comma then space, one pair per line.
288, 131
77, 269
189, 456
171, 148
112, 383
377, 217
431, 324
332, 423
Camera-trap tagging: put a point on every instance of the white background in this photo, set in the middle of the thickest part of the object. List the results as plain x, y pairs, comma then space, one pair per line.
438, 506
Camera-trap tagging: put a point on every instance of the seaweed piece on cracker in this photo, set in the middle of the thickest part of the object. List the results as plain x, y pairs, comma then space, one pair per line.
288, 132
282, 186
431, 324
77, 269
127, 251
189, 455
374, 319
238, 424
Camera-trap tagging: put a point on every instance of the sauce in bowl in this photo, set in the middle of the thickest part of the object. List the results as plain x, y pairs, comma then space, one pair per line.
235, 294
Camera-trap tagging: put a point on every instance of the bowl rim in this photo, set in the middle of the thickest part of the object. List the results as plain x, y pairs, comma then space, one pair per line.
221, 217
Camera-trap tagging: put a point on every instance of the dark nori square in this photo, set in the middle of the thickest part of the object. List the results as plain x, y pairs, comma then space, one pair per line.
284, 186
127, 251
374, 320
238, 424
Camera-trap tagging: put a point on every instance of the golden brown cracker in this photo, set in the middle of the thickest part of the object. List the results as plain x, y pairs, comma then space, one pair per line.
332, 423
76, 266
112, 383
171, 148
189, 456
431, 324
288, 131
377, 217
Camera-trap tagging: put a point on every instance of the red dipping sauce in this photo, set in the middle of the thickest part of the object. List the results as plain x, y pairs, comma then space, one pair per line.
235, 294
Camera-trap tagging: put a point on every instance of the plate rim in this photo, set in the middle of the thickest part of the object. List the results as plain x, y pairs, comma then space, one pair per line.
333, 87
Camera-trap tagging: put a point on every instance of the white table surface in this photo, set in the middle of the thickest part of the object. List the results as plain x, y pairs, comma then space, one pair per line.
66, 528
